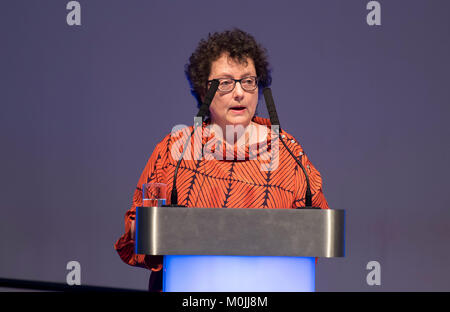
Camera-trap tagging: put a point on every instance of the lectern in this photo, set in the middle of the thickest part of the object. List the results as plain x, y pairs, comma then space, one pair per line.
239, 249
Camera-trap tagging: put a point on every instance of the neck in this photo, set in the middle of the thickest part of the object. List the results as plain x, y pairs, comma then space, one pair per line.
239, 134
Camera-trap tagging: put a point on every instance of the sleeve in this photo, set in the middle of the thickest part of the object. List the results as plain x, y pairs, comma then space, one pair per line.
315, 181
125, 244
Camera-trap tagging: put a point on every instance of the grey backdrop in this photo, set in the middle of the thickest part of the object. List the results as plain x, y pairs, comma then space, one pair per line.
82, 108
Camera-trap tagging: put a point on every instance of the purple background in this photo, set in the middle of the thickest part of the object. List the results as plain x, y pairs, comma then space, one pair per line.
82, 108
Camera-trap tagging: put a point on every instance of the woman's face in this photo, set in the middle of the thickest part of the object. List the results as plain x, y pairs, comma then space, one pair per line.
236, 107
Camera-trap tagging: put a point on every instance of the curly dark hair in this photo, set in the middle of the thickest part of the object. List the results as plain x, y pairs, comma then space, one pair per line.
239, 45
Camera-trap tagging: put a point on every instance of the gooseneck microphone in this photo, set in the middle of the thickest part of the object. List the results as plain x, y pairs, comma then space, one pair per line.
201, 113
274, 121
208, 98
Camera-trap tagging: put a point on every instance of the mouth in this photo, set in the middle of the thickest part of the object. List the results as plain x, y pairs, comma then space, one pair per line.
238, 108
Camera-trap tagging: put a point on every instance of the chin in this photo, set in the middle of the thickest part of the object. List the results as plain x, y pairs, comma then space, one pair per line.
242, 122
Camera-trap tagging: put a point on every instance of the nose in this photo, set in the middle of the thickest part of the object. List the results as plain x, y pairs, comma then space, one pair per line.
238, 92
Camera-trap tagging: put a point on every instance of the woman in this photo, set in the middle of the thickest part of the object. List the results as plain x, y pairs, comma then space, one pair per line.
234, 170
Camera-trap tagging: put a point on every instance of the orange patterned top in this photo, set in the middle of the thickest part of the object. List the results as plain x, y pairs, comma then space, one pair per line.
243, 182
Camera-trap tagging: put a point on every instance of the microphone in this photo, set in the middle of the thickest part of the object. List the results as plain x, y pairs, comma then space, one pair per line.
201, 113
268, 98
208, 98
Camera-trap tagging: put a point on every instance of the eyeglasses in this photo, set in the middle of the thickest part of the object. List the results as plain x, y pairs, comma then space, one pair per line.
227, 84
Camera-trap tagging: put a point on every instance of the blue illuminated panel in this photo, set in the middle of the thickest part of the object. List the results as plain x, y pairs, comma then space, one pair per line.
238, 273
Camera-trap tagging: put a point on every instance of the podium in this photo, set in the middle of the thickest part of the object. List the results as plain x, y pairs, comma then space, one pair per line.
239, 249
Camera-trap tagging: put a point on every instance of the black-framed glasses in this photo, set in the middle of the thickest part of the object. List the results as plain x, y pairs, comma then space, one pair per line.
249, 83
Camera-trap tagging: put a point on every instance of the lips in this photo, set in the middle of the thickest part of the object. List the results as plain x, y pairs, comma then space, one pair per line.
238, 108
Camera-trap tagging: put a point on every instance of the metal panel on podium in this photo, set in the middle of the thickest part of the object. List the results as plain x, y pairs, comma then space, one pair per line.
239, 249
